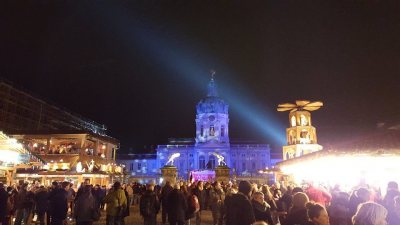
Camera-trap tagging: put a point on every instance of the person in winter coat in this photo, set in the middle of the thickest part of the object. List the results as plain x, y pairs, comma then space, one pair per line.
201, 196
21, 204
102, 193
318, 194
129, 189
98, 195
298, 213
261, 209
80, 189
317, 214
389, 202
116, 205
127, 209
189, 214
3, 203
339, 209
165, 191
238, 209
58, 204
358, 197
177, 206
149, 206
217, 198
42, 203
85, 207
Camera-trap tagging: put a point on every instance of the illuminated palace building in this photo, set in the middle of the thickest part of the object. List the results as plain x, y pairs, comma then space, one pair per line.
211, 142
49, 143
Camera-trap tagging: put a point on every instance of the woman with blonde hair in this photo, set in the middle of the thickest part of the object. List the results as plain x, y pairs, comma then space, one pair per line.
370, 213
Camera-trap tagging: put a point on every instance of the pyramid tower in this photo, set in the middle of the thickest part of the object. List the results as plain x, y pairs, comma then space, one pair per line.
301, 136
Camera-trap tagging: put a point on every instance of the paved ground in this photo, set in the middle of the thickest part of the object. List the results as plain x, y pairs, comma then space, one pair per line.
136, 219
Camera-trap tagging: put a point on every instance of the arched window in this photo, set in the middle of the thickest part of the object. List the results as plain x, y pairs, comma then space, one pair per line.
303, 120
202, 131
202, 162
222, 130
304, 137
211, 160
191, 163
212, 130
293, 121
292, 138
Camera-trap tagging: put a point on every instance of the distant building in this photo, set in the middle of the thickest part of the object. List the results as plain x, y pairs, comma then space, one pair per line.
22, 112
201, 153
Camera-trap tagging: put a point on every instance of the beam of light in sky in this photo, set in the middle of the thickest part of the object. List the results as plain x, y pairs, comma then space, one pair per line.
191, 66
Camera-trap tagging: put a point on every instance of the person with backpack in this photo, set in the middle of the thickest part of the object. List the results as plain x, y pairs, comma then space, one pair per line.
149, 205
86, 210
116, 205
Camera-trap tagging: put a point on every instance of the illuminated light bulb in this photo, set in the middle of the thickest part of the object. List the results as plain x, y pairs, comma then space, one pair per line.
79, 168
65, 166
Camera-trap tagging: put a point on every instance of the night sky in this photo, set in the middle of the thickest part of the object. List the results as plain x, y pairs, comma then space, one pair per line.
140, 67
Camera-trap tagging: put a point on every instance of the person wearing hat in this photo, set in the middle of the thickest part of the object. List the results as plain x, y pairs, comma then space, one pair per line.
116, 204
239, 210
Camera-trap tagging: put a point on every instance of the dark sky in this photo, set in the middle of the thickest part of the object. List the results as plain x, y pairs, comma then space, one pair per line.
140, 67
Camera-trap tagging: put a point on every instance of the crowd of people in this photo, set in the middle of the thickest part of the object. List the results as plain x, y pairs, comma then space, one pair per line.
184, 203
246, 203
60, 203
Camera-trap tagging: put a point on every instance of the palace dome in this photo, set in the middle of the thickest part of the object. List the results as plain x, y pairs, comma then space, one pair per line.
212, 103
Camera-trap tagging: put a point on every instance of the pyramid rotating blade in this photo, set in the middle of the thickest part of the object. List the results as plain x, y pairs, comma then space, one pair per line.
311, 108
287, 105
315, 104
302, 102
279, 109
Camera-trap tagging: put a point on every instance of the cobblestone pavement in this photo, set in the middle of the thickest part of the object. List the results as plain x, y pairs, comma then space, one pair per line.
136, 219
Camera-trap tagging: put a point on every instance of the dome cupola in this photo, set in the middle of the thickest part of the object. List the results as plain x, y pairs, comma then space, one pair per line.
212, 103
212, 118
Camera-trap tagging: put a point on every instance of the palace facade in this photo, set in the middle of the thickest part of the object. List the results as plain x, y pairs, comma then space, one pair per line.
201, 153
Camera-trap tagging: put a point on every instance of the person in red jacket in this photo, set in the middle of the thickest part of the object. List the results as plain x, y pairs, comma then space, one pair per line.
318, 195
